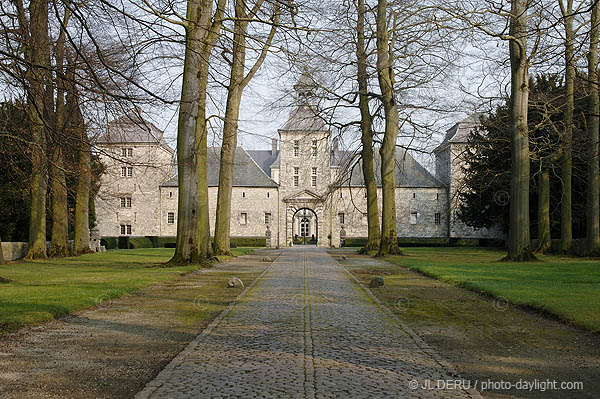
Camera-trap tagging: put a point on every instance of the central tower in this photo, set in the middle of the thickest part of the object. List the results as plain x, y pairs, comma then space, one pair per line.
305, 170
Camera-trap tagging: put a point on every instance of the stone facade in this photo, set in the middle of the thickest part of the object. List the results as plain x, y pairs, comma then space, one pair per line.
299, 188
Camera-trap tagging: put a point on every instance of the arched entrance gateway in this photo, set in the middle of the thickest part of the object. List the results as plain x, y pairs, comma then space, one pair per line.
305, 227
304, 220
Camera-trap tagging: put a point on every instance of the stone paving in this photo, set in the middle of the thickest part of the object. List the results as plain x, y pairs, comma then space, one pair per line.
304, 330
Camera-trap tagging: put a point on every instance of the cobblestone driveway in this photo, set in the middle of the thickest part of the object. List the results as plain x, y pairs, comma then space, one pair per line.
305, 330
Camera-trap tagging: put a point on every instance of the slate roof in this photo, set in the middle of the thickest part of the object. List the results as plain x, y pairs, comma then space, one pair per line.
459, 133
264, 159
304, 118
131, 128
408, 172
246, 172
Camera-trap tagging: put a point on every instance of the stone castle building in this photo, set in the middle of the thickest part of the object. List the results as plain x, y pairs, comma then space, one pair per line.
302, 189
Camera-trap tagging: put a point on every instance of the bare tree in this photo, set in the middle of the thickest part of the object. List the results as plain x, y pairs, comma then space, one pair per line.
593, 194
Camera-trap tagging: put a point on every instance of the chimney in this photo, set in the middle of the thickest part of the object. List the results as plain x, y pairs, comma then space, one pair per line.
336, 143
273, 147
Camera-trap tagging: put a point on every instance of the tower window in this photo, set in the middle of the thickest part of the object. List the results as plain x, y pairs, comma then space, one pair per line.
171, 217
438, 218
125, 202
314, 148
129, 171
243, 218
296, 148
170, 194
414, 195
341, 217
296, 176
268, 194
267, 217
243, 194
123, 171
314, 177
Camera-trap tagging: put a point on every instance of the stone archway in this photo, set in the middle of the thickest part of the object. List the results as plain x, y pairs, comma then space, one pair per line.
305, 226
293, 209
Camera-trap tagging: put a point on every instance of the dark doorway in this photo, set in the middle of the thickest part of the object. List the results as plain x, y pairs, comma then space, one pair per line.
305, 227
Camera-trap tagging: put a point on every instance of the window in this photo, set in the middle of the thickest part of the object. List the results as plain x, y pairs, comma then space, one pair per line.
296, 176
341, 217
171, 217
268, 194
170, 194
413, 217
341, 195
127, 152
313, 177
314, 148
243, 218
243, 194
129, 171
124, 152
414, 195
130, 152
437, 196
123, 171
438, 218
125, 202
365, 193
267, 217
125, 229
296, 148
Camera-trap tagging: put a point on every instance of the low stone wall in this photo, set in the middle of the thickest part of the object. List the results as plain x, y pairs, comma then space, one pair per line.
14, 250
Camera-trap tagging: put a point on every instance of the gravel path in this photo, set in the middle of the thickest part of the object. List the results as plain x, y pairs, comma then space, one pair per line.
305, 330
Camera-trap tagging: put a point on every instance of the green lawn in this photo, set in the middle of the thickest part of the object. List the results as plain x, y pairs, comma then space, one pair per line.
46, 289
564, 286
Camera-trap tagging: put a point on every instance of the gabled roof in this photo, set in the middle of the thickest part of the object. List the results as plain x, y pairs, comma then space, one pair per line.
304, 117
131, 128
408, 172
459, 133
246, 173
264, 158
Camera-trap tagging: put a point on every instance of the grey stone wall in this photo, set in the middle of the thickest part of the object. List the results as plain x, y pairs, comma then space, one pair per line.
152, 164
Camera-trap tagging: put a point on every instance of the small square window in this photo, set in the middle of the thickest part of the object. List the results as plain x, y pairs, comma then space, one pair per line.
267, 217
413, 217
171, 217
243, 218
438, 218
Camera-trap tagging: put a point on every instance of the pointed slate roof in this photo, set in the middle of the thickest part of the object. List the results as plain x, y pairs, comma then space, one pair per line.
131, 128
408, 172
246, 173
459, 133
304, 117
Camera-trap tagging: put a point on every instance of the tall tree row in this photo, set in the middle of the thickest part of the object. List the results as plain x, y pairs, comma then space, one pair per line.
238, 80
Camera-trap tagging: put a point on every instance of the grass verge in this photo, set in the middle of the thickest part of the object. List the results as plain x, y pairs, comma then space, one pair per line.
563, 286
43, 290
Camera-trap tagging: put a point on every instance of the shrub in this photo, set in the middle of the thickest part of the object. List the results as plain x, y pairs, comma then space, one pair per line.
248, 242
109, 242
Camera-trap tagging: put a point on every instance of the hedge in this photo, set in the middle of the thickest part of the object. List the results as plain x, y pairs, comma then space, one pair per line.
124, 242
431, 242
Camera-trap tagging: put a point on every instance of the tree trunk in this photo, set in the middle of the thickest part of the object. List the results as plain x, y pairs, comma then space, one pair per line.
593, 194
38, 57
237, 83
566, 162
81, 243
230, 128
59, 246
544, 238
385, 75
374, 233
193, 230
519, 245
